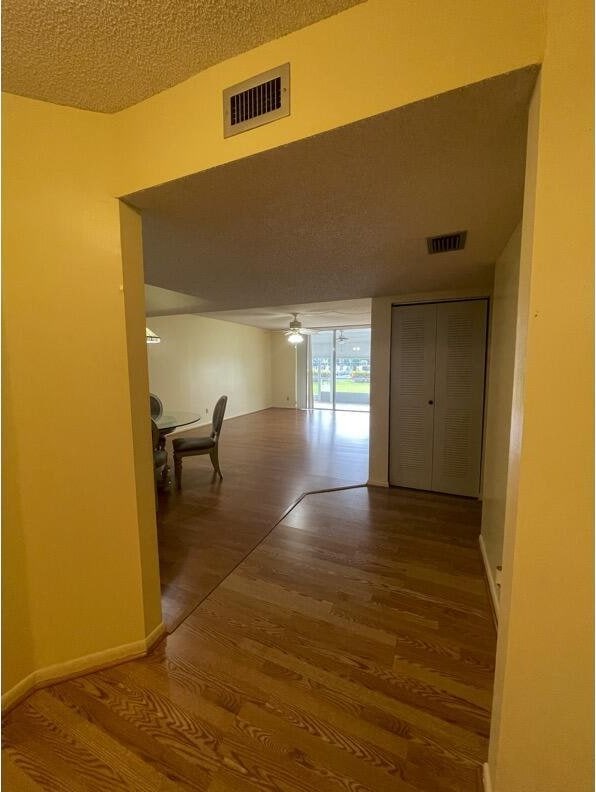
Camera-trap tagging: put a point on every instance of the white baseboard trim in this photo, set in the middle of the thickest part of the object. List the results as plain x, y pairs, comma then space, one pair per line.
207, 424
69, 669
373, 483
492, 586
486, 782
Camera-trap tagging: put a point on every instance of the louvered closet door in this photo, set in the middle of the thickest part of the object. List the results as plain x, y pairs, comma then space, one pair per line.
412, 388
459, 397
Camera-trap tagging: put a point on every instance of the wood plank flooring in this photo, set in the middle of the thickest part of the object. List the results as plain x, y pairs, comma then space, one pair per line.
268, 460
352, 650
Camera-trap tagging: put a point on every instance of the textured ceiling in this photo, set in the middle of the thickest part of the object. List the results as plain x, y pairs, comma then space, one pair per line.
346, 313
345, 214
109, 54
340, 313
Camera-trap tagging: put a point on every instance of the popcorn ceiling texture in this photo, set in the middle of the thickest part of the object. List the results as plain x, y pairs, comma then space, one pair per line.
106, 55
344, 214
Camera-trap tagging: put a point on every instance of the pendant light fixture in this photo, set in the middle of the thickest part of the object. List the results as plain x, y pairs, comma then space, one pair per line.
151, 337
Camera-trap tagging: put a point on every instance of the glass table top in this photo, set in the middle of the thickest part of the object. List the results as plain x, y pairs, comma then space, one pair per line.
172, 419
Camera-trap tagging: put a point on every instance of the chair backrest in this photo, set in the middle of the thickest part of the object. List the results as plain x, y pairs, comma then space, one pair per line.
218, 416
154, 435
156, 406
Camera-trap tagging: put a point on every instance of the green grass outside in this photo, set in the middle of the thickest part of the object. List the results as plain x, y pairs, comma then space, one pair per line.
345, 386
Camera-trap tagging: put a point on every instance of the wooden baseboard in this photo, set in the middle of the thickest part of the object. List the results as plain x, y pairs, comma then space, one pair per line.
18, 692
372, 483
490, 581
60, 672
488, 787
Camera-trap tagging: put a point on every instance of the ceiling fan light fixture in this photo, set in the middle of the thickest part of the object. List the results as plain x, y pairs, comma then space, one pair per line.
295, 338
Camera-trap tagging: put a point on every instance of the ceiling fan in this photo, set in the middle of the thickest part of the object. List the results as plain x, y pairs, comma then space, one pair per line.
342, 337
295, 333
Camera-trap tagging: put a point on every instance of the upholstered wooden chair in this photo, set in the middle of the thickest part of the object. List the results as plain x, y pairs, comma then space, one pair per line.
156, 406
195, 446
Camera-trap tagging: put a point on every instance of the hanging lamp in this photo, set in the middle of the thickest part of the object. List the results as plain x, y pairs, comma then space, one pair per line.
151, 337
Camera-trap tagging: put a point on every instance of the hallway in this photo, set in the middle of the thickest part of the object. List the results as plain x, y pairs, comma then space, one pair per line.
353, 649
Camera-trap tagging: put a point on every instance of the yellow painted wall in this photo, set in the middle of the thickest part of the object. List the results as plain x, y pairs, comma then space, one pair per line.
499, 396
72, 571
199, 359
65, 324
374, 57
131, 240
66, 368
18, 654
542, 736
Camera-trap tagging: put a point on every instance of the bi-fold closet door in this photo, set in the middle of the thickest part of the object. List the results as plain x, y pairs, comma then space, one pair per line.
438, 353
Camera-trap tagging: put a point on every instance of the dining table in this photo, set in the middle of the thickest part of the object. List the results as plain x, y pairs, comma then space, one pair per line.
167, 422
174, 419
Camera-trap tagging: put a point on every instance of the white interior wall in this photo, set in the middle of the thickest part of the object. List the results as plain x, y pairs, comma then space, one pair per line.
499, 396
283, 371
200, 359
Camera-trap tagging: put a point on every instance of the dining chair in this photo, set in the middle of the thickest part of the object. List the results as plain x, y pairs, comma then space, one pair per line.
195, 446
156, 406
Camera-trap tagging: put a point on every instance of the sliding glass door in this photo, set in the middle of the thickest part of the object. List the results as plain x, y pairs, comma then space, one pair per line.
340, 369
352, 369
321, 348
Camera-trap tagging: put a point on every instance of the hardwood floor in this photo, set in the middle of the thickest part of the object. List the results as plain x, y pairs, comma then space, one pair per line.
268, 460
352, 650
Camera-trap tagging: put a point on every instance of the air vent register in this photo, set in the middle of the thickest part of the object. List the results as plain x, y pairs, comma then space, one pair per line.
447, 242
257, 101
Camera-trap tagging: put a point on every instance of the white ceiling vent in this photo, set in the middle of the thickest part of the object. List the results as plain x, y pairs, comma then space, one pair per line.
257, 101
447, 242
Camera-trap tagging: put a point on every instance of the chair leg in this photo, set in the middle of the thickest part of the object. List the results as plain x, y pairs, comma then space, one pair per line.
215, 461
178, 471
